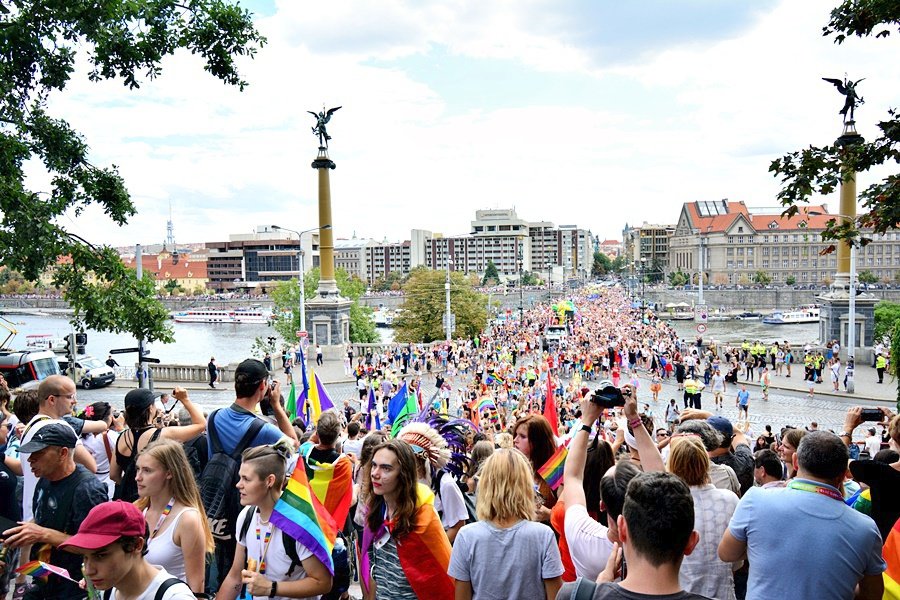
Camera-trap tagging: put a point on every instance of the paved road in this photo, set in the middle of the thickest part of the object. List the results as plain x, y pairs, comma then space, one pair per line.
784, 407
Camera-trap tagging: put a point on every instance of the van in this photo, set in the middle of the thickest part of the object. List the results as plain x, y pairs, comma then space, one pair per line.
21, 367
90, 372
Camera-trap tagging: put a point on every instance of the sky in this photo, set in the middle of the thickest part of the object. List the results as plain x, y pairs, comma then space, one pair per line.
585, 112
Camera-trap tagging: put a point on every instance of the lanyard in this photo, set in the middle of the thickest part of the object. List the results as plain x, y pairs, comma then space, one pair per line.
824, 490
162, 517
265, 543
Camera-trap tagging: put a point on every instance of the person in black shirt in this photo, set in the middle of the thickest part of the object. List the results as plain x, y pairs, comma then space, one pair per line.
64, 495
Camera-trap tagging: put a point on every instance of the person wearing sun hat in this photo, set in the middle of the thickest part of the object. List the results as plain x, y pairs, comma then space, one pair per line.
64, 496
112, 540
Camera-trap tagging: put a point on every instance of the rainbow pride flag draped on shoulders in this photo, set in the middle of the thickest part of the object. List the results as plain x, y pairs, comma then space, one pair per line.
891, 554
299, 514
331, 483
424, 552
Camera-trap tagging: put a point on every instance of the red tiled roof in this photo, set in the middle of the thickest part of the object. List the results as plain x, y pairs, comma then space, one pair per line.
759, 222
185, 268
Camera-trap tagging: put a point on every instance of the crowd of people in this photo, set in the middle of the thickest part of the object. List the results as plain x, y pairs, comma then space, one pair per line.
528, 468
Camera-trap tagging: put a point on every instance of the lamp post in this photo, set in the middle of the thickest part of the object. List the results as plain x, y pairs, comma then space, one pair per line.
851, 303
643, 279
300, 264
521, 292
448, 325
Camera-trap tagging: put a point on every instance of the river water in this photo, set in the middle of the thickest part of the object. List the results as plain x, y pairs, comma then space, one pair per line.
737, 331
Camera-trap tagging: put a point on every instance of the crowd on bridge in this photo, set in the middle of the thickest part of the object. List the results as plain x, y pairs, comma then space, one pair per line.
523, 463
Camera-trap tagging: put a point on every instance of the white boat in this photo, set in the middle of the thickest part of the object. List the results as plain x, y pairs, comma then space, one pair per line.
748, 316
242, 316
384, 317
805, 314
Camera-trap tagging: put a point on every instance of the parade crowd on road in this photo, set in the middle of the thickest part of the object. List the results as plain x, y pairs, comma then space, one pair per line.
520, 464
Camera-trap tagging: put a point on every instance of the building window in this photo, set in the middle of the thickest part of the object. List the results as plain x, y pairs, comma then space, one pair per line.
794, 263
765, 251
729, 252
784, 264
765, 264
740, 251
730, 239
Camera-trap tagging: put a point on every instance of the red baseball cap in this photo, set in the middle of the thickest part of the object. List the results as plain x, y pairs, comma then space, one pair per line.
105, 524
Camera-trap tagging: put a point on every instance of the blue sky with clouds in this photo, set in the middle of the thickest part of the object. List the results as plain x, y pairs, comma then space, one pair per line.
590, 112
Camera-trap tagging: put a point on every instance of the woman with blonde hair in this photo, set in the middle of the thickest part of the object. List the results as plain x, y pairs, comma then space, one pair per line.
701, 571
531, 565
267, 562
180, 537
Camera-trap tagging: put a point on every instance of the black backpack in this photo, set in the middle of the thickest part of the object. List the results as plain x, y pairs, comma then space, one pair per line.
160, 591
290, 545
584, 589
468, 498
217, 482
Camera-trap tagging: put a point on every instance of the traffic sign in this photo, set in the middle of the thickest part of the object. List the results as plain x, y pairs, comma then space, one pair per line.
701, 328
302, 334
701, 313
123, 351
150, 360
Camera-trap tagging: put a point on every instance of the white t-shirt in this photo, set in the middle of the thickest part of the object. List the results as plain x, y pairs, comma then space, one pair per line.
352, 447
179, 591
450, 503
277, 560
873, 445
29, 480
588, 540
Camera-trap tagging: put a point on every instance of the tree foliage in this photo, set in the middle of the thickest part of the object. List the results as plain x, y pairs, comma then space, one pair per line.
790, 280
602, 264
286, 298
762, 277
816, 170
421, 315
42, 43
887, 316
491, 276
678, 278
867, 277
529, 278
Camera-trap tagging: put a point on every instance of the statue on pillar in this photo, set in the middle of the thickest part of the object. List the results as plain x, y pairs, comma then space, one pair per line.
322, 119
847, 88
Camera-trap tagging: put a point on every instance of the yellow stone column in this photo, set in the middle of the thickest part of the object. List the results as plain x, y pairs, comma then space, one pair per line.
327, 283
848, 138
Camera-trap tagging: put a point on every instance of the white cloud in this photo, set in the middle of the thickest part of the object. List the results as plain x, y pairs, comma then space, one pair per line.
692, 121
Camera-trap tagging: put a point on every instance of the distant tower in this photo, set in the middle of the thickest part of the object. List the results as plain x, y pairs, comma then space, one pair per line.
170, 231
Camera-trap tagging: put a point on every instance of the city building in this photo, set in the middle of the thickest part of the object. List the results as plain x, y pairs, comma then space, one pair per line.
611, 248
248, 262
370, 260
175, 271
737, 243
647, 247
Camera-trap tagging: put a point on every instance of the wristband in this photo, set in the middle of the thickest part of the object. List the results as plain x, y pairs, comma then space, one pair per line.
635, 422
274, 591
847, 433
586, 428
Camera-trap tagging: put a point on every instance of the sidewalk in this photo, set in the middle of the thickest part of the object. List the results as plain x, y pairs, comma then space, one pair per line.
330, 373
865, 379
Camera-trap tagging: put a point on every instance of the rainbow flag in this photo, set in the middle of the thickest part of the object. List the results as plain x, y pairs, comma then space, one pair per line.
299, 514
891, 554
424, 552
303, 398
38, 568
332, 484
486, 403
319, 401
552, 471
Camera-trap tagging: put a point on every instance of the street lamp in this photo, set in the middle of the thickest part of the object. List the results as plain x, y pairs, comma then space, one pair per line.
300, 263
851, 307
643, 279
521, 293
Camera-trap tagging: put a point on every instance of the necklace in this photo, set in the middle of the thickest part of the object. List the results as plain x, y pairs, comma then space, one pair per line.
805, 486
264, 540
162, 516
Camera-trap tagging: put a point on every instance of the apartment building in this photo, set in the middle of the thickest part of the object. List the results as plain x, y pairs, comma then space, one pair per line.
736, 243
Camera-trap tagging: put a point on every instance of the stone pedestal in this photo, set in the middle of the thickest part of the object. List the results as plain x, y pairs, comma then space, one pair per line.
834, 321
328, 320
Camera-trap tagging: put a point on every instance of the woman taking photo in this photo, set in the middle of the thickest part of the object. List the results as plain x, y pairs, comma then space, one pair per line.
101, 445
179, 537
701, 571
144, 419
262, 563
534, 438
405, 551
505, 507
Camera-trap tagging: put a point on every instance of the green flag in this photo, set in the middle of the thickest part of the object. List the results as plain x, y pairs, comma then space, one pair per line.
409, 410
291, 406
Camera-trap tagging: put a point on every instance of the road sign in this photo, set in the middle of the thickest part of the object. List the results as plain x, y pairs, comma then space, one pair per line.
302, 334
701, 313
701, 328
150, 360
123, 351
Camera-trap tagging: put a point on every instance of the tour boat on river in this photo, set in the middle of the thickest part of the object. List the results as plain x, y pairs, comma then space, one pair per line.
240, 316
808, 313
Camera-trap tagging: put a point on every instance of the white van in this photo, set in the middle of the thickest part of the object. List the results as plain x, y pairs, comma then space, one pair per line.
90, 372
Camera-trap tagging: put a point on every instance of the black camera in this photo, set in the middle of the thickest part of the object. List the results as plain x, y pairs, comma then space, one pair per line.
871, 414
608, 397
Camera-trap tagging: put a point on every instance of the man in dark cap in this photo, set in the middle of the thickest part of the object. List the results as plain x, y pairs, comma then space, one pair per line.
64, 495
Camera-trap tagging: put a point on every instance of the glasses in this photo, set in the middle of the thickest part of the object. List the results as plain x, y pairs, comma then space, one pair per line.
71, 396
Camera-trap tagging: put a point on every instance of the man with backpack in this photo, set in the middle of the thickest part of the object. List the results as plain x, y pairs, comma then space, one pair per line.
230, 431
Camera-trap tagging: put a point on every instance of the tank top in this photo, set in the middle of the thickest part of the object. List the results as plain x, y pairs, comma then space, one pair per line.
127, 490
162, 551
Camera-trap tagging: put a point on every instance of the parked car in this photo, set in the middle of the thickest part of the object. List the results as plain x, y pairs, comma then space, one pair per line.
90, 372
27, 368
